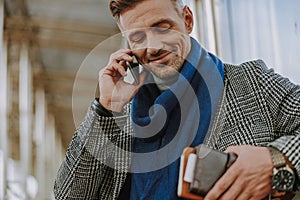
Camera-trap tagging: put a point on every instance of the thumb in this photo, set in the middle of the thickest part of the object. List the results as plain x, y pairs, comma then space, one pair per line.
142, 81
231, 149
143, 76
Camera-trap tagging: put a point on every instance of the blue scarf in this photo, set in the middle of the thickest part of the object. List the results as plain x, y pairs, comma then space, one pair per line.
172, 120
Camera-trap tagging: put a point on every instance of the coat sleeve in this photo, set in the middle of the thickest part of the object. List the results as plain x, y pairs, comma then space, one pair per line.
283, 100
96, 162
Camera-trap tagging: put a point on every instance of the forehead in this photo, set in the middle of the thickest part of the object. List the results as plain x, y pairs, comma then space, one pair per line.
147, 13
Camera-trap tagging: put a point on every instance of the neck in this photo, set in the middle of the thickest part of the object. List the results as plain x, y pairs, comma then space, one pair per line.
164, 84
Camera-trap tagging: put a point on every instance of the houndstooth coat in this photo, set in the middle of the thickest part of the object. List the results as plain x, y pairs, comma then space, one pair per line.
259, 107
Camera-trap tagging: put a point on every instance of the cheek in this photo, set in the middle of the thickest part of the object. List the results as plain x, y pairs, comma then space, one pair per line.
183, 42
179, 44
177, 37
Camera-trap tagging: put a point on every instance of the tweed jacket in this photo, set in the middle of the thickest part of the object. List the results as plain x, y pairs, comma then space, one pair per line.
259, 107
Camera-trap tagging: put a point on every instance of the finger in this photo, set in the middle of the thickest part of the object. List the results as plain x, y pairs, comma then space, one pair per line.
143, 76
124, 57
122, 54
244, 195
115, 69
259, 192
222, 184
233, 191
142, 80
120, 51
123, 64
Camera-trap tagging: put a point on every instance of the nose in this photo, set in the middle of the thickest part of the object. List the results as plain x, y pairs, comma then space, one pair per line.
154, 44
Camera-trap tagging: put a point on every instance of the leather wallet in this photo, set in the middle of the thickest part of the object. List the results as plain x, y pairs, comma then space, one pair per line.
209, 166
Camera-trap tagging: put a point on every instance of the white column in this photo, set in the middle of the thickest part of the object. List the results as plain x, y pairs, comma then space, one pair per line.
275, 39
25, 113
205, 15
3, 107
211, 28
50, 155
39, 138
3, 117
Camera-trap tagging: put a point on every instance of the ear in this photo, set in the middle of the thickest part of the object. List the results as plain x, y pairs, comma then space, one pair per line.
188, 19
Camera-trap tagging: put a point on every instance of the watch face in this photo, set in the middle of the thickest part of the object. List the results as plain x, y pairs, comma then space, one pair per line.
283, 180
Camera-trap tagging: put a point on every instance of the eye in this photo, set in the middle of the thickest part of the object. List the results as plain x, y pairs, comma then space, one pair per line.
163, 28
137, 37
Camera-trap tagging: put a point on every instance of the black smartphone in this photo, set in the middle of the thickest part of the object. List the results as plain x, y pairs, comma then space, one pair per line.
134, 69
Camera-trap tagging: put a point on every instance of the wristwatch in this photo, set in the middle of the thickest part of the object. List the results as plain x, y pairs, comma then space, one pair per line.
283, 176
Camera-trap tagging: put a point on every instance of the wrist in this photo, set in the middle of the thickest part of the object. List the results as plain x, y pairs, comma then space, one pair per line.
105, 103
283, 175
104, 111
100, 109
110, 105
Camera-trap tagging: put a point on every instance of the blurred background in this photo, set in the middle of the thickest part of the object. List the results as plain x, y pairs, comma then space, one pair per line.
48, 63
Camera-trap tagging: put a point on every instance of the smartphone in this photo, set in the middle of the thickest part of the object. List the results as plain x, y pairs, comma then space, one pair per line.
134, 69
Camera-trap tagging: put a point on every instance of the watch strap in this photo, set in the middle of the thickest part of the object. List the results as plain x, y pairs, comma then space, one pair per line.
277, 157
100, 110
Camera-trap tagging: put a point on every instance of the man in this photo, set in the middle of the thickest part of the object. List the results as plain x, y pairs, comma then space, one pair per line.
179, 102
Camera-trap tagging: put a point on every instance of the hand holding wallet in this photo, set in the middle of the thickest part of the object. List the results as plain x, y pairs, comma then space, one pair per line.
207, 167
201, 167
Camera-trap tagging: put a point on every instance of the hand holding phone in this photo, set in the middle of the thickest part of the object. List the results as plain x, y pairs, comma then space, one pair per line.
134, 69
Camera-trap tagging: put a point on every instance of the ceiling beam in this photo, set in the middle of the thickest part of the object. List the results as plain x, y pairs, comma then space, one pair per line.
60, 34
16, 7
74, 27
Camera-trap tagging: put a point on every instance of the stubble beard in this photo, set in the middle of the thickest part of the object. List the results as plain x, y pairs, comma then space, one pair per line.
169, 70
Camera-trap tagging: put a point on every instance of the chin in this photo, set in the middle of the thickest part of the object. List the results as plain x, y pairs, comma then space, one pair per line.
168, 70
165, 72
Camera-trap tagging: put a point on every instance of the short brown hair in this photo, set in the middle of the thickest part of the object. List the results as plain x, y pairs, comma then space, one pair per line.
117, 6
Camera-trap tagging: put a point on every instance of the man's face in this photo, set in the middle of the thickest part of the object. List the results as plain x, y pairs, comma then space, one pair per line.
158, 35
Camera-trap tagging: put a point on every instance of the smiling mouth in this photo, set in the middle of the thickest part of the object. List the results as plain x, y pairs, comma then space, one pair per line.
161, 59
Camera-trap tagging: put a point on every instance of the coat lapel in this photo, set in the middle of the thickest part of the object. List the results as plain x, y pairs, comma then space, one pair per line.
243, 116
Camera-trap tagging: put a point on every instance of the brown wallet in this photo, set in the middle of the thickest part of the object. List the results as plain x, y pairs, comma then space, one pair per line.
210, 165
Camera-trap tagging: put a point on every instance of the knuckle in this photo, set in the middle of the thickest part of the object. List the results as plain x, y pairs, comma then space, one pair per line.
100, 72
239, 169
221, 187
112, 56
